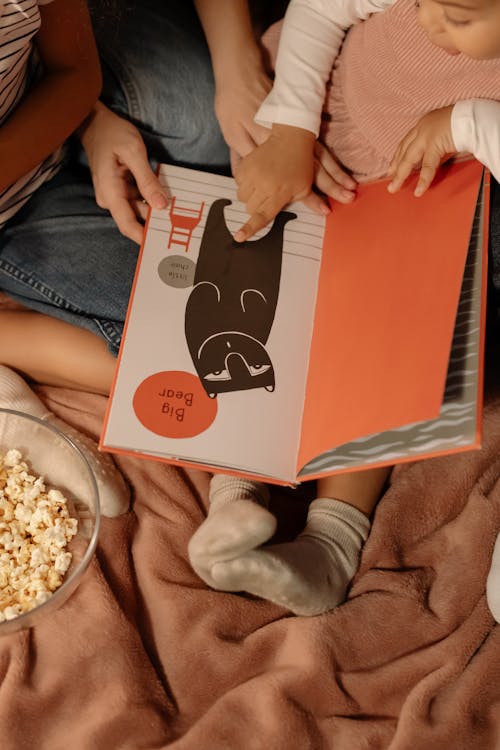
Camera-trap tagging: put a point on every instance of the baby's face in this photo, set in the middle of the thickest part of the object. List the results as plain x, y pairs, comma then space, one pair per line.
468, 26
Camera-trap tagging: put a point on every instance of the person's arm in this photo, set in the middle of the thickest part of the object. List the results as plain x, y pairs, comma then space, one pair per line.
310, 41
58, 103
240, 79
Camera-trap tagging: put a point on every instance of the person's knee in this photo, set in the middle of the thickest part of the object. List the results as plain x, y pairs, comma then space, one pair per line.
204, 141
168, 88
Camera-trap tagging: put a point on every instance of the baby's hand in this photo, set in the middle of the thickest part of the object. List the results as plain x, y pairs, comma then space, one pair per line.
277, 172
426, 146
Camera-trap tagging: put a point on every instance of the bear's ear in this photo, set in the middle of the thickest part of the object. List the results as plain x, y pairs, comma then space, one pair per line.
216, 223
206, 288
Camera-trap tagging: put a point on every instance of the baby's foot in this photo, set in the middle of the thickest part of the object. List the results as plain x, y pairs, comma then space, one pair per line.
493, 583
237, 522
310, 575
114, 495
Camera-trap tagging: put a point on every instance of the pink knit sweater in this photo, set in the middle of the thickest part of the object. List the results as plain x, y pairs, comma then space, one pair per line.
387, 76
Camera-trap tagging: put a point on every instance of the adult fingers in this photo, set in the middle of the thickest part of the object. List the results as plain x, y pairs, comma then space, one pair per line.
244, 137
241, 141
235, 160
258, 133
141, 209
108, 183
126, 220
329, 185
147, 182
329, 166
316, 203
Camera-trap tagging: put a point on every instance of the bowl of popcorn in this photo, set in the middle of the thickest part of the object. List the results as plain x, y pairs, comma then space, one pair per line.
49, 519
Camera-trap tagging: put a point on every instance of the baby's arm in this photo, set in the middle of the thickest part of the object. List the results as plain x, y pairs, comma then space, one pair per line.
282, 169
470, 126
57, 104
313, 31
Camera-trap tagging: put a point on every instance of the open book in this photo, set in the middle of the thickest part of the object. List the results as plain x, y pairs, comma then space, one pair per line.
315, 347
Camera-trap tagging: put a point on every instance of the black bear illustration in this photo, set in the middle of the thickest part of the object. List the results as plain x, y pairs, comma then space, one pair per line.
231, 308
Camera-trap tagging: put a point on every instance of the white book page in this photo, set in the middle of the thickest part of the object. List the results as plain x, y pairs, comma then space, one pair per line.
160, 404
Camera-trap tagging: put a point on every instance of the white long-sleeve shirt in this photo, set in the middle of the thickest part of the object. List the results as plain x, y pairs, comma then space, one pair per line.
310, 42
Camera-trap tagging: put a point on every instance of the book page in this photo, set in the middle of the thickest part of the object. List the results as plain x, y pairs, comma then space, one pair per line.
458, 423
213, 365
387, 301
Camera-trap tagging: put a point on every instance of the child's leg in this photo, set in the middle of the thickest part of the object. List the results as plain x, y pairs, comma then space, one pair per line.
311, 574
54, 352
238, 521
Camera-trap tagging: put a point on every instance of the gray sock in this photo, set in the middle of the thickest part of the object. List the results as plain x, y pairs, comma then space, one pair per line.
309, 575
238, 521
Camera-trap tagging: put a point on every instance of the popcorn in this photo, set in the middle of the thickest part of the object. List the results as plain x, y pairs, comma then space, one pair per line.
35, 530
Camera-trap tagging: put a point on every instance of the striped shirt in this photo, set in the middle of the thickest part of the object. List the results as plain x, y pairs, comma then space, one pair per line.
19, 23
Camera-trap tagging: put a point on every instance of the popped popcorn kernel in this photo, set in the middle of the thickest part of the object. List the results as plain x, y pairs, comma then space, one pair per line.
35, 530
13, 458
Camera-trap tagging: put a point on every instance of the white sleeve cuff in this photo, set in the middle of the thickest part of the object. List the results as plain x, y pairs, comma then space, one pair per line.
269, 113
463, 129
475, 128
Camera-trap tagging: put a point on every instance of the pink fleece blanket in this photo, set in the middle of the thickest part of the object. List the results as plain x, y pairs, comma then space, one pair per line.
144, 656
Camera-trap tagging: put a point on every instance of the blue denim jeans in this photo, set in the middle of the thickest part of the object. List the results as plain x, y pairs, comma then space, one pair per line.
61, 254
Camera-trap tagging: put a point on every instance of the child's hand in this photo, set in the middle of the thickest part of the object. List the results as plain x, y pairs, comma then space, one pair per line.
277, 172
120, 171
426, 146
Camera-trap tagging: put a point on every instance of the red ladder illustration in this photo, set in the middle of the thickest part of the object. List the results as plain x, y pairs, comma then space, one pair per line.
184, 221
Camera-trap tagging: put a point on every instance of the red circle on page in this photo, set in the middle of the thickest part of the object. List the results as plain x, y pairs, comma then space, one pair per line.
174, 404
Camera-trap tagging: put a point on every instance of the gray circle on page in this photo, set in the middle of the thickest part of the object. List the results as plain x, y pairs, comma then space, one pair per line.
177, 271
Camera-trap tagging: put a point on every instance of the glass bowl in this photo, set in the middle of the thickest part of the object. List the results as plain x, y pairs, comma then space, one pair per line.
63, 467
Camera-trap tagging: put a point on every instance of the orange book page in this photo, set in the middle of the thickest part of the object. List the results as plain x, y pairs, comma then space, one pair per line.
390, 280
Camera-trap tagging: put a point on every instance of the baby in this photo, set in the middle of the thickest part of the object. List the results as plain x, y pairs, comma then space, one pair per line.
411, 85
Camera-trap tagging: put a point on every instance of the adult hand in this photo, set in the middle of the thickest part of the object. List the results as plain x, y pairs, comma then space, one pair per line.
426, 146
239, 93
120, 170
330, 179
